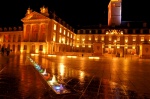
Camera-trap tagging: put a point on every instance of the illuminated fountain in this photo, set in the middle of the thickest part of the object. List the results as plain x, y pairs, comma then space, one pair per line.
58, 88
53, 81
45, 75
38, 67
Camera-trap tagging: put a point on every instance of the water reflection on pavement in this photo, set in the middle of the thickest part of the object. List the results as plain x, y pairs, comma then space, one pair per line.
19, 79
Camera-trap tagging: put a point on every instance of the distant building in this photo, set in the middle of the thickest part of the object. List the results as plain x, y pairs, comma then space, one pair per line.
45, 33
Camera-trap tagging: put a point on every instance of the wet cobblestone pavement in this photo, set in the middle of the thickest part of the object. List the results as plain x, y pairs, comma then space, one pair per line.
116, 78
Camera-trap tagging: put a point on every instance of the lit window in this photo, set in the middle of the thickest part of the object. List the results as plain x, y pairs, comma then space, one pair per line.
126, 39
59, 39
64, 32
83, 39
110, 39
60, 30
102, 38
109, 46
134, 38
133, 47
54, 26
89, 38
118, 46
41, 48
142, 38
71, 36
96, 38
25, 47
63, 40
89, 46
68, 34
54, 38
118, 38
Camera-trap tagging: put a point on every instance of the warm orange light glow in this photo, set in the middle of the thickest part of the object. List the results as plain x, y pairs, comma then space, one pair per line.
94, 57
89, 46
89, 38
71, 56
61, 68
36, 51
52, 55
82, 75
133, 47
34, 54
21, 51
109, 46
118, 46
54, 26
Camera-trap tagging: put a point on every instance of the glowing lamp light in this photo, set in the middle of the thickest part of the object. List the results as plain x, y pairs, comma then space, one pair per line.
118, 46
89, 46
110, 46
133, 47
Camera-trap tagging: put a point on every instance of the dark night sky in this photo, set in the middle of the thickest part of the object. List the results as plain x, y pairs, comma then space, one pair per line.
74, 12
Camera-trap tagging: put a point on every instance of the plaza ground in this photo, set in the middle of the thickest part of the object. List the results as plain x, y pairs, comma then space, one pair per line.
104, 78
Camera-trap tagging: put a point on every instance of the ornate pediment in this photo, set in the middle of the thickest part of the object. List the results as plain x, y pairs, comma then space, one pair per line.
34, 16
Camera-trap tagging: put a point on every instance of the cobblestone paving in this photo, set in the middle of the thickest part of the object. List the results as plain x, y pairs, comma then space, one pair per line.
88, 79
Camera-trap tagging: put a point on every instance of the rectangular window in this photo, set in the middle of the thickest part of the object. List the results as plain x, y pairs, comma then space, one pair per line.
102, 38
54, 26
41, 48
110, 38
118, 38
126, 39
18, 47
25, 47
142, 38
134, 38
60, 30
68, 34
64, 32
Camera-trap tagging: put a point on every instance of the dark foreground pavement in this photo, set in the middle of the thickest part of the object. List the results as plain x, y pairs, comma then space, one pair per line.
20, 80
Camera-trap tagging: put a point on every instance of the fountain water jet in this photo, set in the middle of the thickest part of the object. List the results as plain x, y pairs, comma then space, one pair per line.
53, 81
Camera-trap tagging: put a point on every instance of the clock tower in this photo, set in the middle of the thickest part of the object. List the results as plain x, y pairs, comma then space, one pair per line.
114, 12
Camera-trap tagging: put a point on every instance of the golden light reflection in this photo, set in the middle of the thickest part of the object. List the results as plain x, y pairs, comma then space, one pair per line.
81, 76
71, 56
51, 55
62, 69
21, 51
94, 57
34, 54
62, 59
36, 51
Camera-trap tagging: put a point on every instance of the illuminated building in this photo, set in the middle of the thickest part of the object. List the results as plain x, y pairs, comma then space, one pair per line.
45, 33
